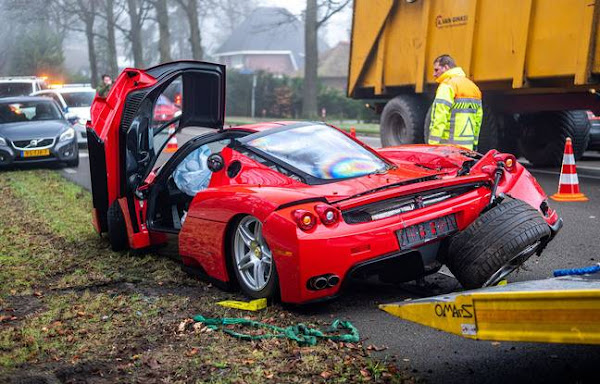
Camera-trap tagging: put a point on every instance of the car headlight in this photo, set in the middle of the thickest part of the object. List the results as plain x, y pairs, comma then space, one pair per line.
2, 141
67, 135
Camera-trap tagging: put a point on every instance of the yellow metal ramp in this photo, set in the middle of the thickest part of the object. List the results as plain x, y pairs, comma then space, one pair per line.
558, 310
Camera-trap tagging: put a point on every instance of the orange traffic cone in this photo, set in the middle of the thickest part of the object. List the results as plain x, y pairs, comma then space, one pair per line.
568, 187
352, 131
172, 144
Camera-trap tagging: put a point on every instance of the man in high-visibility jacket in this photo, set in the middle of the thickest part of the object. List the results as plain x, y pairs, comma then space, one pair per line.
456, 112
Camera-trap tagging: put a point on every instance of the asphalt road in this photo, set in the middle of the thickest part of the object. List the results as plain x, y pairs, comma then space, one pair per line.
439, 357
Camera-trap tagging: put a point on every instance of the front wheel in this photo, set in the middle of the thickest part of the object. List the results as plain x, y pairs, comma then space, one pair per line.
117, 230
253, 263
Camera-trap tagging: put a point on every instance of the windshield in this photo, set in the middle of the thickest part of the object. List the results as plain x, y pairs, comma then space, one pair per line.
15, 112
318, 150
15, 89
78, 99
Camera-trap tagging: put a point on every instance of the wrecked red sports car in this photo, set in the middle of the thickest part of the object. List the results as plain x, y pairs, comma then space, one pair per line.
295, 209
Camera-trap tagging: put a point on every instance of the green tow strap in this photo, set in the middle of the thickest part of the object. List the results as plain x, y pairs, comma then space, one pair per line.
300, 333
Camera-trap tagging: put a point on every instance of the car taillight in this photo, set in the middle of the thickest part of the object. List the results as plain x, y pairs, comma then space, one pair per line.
305, 220
327, 214
510, 163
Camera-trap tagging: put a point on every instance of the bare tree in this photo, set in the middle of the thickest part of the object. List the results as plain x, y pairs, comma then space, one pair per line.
327, 8
191, 9
84, 12
164, 34
138, 12
111, 19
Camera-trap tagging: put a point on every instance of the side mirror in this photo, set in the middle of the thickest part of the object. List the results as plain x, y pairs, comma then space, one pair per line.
71, 118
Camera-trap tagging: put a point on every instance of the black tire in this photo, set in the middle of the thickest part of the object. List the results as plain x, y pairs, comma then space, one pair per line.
496, 243
509, 135
117, 230
426, 125
75, 162
545, 133
402, 121
488, 134
581, 136
271, 289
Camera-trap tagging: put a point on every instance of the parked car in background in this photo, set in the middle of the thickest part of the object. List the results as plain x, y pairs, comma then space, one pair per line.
34, 130
75, 101
164, 110
594, 143
21, 85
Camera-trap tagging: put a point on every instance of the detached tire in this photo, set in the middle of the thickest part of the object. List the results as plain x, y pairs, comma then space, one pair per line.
117, 230
496, 243
545, 134
402, 121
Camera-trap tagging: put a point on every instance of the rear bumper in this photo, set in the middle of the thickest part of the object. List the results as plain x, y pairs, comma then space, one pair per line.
346, 250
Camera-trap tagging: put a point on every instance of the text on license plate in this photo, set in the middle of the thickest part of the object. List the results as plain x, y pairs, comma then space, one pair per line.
36, 152
421, 233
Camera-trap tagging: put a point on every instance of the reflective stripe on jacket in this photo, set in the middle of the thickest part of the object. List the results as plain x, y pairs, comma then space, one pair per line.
456, 112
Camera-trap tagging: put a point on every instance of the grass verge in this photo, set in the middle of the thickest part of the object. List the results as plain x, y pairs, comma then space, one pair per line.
71, 310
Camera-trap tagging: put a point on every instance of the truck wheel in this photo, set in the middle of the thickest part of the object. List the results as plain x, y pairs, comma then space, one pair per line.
490, 130
510, 134
545, 133
117, 231
496, 243
402, 121
488, 134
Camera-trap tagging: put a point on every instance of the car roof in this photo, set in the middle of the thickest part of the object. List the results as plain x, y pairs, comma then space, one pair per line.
66, 90
20, 99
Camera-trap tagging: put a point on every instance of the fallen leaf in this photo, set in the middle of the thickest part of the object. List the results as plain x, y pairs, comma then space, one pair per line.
365, 373
326, 375
192, 352
376, 348
182, 326
37, 293
269, 375
80, 313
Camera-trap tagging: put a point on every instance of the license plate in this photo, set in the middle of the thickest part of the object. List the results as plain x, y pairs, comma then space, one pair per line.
36, 152
421, 233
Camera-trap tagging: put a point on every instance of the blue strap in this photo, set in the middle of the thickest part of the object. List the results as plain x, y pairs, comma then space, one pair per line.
577, 271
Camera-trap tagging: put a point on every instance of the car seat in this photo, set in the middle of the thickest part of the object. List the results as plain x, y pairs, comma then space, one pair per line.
43, 111
192, 174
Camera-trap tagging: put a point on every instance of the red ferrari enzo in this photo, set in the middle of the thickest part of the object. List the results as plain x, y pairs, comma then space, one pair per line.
295, 209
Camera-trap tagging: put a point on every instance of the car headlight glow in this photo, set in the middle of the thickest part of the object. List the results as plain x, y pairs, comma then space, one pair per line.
2, 141
67, 135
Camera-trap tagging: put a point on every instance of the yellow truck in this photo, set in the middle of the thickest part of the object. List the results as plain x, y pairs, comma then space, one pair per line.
537, 63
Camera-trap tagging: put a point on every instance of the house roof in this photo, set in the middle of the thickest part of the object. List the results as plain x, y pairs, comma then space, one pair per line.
268, 29
334, 62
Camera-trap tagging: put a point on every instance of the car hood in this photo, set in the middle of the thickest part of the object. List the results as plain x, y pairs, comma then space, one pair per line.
32, 129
